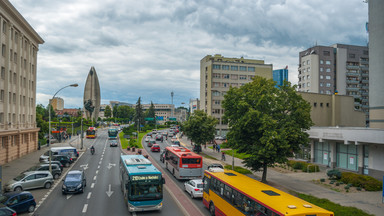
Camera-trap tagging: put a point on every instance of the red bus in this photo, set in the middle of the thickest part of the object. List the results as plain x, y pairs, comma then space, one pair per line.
91, 133
183, 163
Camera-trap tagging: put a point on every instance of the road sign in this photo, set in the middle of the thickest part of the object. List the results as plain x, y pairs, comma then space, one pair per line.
161, 118
149, 119
172, 119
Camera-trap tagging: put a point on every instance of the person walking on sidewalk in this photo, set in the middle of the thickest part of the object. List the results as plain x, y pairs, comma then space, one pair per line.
218, 147
222, 156
214, 147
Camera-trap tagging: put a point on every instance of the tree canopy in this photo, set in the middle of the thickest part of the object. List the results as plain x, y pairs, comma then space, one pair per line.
267, 123
108, 111
139, 114
200, 127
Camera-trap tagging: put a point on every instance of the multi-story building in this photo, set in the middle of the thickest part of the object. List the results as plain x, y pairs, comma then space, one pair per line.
217, 74
194, 104
339, 68
57, 103
280, 75
18, 60
162, 111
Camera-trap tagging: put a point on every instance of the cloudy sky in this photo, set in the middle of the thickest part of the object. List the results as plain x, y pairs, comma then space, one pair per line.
149, 48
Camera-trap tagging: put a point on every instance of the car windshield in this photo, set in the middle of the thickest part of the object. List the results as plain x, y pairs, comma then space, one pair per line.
73, 177
19, 177
3, 199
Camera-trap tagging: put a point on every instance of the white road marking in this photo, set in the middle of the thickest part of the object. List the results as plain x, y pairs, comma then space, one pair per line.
69, 196
89, 195
92, 185
94, 178
98, 167
97, 171
85, 208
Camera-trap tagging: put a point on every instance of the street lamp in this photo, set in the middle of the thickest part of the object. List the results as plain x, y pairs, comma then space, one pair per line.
49, 111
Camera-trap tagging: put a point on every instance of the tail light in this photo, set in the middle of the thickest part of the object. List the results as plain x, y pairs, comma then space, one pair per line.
14, 214
197, 189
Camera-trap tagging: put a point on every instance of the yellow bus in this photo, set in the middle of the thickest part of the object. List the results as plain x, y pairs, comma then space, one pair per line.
227, 192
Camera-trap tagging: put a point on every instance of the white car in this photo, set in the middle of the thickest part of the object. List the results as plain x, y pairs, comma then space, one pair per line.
194, 187
147, 138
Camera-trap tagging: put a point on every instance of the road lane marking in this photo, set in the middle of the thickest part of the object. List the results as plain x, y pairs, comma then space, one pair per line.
92, 185
97, 171
89, 195
98, 167
85, 208
94, 178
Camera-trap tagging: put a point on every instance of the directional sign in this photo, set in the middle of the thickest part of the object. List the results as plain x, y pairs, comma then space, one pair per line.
84, 166
148, 119
172, 119
109, 192
110, 166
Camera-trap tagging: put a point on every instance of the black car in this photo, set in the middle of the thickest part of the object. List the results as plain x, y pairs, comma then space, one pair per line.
6, 211
19, 201
74, 182
55, 162
64, 159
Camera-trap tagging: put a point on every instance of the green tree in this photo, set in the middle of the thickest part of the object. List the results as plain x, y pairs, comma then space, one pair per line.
108, 111
150, 113
266, 123
139, 114
200, 127
41, 115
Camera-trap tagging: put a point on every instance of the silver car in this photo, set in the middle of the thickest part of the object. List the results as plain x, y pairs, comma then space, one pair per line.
30, 180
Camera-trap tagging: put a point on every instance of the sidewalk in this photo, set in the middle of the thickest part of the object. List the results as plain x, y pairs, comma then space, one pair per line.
371, 202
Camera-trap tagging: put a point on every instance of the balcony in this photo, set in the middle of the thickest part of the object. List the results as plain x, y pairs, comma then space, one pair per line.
352, 88
353, 82
364, 62
365, 81
364, 93
365, 74
364, 67
353, 67
352, 74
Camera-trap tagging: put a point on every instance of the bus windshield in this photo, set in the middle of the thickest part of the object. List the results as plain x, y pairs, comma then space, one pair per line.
91, 132
145, 188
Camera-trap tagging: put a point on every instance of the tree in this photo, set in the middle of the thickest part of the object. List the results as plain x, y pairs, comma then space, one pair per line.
108, 111
42, 113
266, 123
150, 113
139, 115
200, 128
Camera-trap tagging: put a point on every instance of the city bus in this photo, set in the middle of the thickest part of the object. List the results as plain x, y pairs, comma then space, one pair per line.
141, 183
112, 133
91, 133
182, 163
227, 192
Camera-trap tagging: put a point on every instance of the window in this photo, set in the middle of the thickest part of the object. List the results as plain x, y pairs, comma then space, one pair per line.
216, 84
365, 52
328, 92
328, 77
234, 76
328, 62
243, 68
216, 66
243, 77
303, 77
328, 84
307, 62
308, 84
225, 67
217, 102
1, 95
4, 27
321, 77
216, 93
321, 69
352, 55
326, 53
309, 69
3, 50
328, 70
251, 69
251, 77
321, 92
226, 85
304, 70
321, 62
225, 76
308, 77
303, 85
216, 75
321, 84
14, 98
234, 68
2, 73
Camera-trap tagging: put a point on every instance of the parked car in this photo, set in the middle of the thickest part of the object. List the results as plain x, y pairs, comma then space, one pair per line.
69, 151
6, 211
162, 156
74, 182
64, 159
56, 171
194, 187
30, 180
151, 142
155, 147
55, 162
22, 201
113, 143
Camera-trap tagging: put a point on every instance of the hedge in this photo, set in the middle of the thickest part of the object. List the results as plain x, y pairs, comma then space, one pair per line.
363, 181
303, 166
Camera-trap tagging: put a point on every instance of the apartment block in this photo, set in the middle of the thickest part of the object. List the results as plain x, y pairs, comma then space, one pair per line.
18, 60
57, 103
279, 76
340, 68
218, 73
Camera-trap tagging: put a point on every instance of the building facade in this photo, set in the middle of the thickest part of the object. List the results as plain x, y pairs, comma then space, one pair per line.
279, 76
341, 69
194, 104
376, 53
217, 74
163, 112
18, 61
57, 103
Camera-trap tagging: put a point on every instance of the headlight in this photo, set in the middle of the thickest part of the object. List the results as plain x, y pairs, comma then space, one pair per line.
79, 186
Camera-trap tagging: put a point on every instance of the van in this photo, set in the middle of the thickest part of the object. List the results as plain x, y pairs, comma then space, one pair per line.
69, 151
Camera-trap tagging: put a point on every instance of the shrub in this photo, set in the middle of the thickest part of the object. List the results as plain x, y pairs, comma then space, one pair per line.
358, 188
337, 183
322, 180
346, 187
334, 174
331, 182
298, 165
357, 180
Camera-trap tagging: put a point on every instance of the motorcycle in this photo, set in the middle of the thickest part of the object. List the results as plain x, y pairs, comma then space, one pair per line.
92, 151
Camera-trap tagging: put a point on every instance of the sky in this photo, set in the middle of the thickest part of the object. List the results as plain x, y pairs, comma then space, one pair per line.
150, 48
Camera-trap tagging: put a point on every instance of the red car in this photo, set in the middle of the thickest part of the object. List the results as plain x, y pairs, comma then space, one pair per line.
155, 147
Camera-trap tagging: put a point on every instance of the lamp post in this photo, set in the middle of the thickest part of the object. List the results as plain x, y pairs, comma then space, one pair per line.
49, 111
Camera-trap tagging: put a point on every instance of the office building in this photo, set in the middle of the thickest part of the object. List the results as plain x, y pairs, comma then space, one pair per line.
280, 75
376, 55
217, 74
194, 104
57, 103
18, 61
341, 69
163, 112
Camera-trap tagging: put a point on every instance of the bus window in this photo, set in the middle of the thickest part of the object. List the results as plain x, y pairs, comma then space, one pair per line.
207, 183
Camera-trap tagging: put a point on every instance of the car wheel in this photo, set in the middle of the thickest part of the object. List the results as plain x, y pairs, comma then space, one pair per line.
212, 209
192, 196
63, 193
56, 176
18, 189
31, 208
47, 185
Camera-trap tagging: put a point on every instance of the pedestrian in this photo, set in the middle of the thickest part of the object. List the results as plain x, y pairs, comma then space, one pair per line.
205, 146
218, 147
222, 156
214, 147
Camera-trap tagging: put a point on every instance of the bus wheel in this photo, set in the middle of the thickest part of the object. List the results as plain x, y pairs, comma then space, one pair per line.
212, 209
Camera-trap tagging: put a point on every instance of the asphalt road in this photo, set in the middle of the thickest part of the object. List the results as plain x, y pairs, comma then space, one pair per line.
156, 155
102, 195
